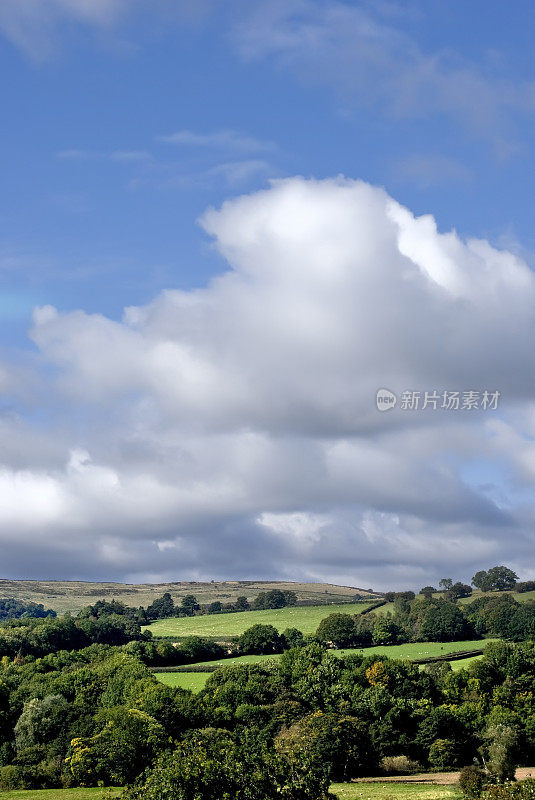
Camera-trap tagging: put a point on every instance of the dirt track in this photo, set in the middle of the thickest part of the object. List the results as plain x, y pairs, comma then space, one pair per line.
442, 778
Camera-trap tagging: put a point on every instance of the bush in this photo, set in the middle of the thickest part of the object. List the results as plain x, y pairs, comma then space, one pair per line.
519, 790
399, 765
11, 778
472, 781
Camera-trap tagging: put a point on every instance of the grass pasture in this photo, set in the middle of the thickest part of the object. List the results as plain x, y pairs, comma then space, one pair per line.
305, 618
394, 791
60, 794
417, 650
193, 681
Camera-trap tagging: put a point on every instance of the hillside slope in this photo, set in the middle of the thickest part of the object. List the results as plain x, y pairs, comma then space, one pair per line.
71, 596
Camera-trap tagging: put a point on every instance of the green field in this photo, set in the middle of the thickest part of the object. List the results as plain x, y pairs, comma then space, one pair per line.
194, 681
60, 794
463, 662
396, 791
412, 651
305, 618
418, 650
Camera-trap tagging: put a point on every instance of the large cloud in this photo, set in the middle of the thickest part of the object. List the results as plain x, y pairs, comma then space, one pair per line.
232, 431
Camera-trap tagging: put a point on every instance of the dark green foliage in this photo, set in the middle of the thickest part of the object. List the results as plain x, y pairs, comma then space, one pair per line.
272, 599
441, 621
337, 629
213, 765
260, 639
525, 586
458, 590
188, 605
292, 637
161, 608
500, 615
472, 781
14, 609
496, 579
428, 591
242, 604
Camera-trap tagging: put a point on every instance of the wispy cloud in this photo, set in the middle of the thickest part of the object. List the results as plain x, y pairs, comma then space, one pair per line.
229, 140
131, 155
431, 170
206, 169
95, 155
32, 25
359, 51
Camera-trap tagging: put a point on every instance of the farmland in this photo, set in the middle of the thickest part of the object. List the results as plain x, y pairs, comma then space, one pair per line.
305, 618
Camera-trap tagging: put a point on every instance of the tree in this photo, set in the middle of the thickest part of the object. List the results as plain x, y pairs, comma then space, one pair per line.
444, 622
386, 631
272, 599
458, 590
341, 743
502, 578
338, 629
292, 637
215, 607
502, 743
260, 639
242, 604
210, 764
189, 605
496, 579
161, 608
290, 597
428, 591
445, 584
126, 745
481, 581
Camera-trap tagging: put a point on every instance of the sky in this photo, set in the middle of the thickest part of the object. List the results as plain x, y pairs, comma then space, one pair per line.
224, 226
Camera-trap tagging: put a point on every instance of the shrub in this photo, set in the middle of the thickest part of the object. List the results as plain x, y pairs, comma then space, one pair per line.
472, 781
399, 765
519, 790
11, 778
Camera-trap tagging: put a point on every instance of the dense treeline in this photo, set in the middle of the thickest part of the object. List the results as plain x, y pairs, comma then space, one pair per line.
164, 607
39, 637
15, 609
98, 716
412, 620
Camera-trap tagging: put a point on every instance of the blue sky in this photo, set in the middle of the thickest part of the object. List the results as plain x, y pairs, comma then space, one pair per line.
123, 122
103, 232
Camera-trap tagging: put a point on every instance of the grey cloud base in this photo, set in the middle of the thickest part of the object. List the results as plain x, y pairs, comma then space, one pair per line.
231, 431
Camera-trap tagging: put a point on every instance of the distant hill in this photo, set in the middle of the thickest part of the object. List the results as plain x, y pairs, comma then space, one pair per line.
71, 596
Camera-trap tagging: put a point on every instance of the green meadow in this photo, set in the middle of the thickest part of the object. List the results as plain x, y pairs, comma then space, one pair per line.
394, 791
61, 794
305, 618
195, 681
